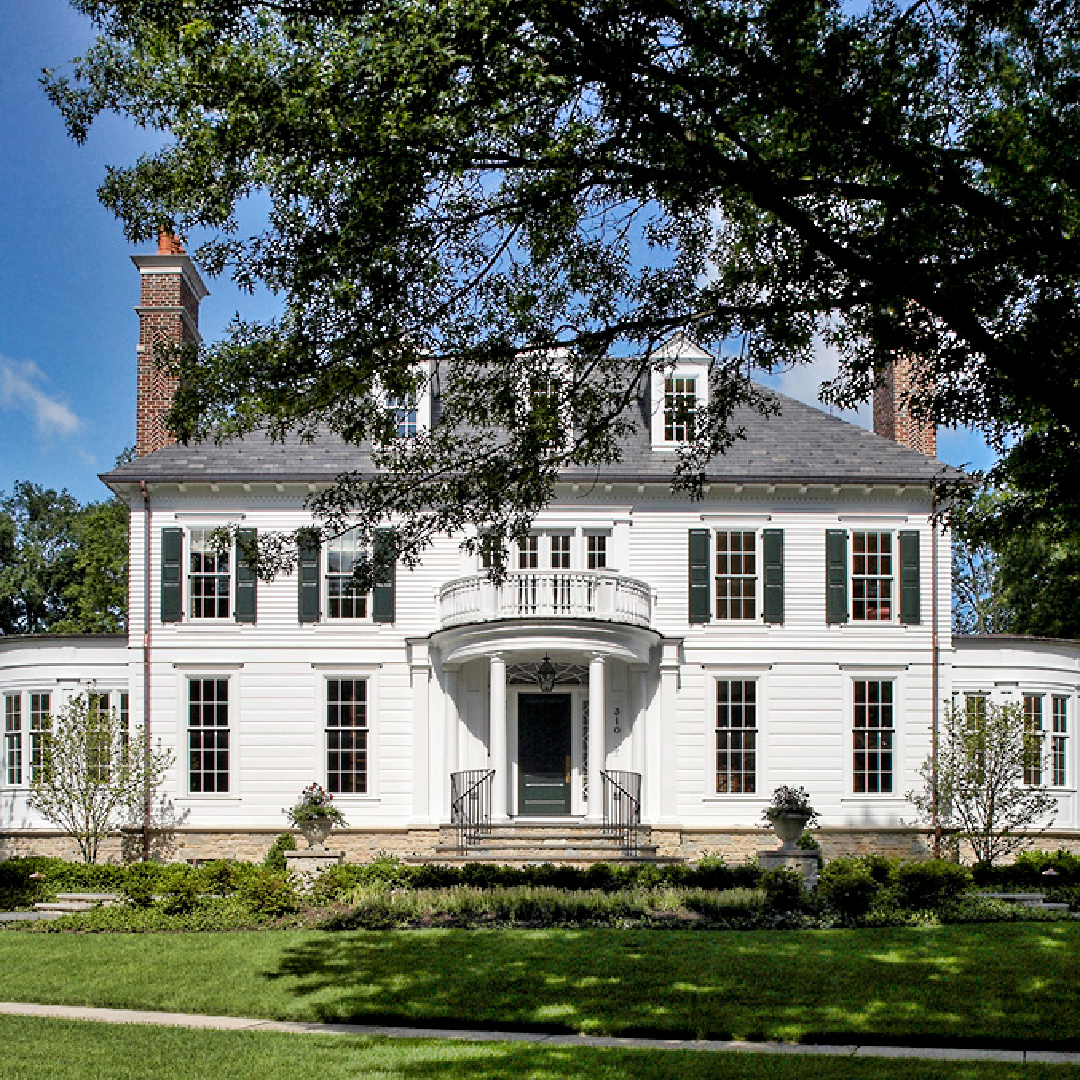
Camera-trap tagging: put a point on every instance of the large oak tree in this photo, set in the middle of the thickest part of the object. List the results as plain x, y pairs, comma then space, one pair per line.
526, 189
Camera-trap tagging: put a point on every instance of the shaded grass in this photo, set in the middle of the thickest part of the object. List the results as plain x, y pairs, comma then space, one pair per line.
1013, 984
37, 1049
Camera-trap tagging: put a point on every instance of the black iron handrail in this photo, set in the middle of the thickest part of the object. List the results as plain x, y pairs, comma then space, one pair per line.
622, 808
470, 805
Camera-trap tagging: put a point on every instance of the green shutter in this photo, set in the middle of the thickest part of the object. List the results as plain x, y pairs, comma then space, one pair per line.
172, 562
382, 594
307, 577
700, 606
836, 576
246, 581
773, 543
909, 577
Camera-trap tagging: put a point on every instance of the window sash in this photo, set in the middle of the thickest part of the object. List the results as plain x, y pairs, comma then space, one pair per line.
346, 736
871, 577
680, 404
13, 738
736, 575
596, 551
736, 736
208, 736
1059, 746
209, 577
344, 600
1034, 737
40, 730
872, 737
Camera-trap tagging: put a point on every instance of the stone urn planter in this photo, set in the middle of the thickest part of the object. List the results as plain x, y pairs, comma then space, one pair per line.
315, 831
788, 826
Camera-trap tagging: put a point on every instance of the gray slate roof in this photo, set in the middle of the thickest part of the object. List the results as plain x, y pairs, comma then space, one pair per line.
798, 444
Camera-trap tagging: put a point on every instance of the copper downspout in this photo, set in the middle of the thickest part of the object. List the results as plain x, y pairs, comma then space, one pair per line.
148, 807
934, 688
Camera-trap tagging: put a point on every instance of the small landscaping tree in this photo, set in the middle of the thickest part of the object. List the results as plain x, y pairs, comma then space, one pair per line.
89, 772
986, 751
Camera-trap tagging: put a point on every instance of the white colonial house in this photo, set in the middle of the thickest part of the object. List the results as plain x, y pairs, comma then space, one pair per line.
650, 661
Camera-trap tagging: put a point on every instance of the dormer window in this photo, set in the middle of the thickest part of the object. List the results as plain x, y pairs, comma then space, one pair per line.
680, 388
405, 416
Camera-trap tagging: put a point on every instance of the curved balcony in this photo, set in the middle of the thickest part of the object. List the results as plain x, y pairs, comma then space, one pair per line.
546, 594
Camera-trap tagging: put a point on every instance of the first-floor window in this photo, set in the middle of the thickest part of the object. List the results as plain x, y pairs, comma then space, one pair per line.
346, 736
13, 737
1059, 741
1033, 739
208, 735
596, 551
872, 737
40, 726
736, 736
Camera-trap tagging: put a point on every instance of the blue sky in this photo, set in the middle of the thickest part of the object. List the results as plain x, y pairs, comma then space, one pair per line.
67, 294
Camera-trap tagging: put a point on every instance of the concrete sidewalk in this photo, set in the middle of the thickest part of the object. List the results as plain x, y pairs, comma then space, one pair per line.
239, 1023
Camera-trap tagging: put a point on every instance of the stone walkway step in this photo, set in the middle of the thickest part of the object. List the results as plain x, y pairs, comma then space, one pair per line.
71, 902
240, 1023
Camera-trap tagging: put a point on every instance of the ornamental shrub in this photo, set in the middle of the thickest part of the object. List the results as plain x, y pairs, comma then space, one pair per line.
275, 857
784, 892
929, 884
849, 888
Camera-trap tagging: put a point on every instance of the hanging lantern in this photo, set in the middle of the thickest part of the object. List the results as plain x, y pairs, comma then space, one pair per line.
545, 675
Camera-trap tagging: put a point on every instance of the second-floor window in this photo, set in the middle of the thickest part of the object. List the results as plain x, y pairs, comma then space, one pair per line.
736, 575
871, 576
209, 579
343, 599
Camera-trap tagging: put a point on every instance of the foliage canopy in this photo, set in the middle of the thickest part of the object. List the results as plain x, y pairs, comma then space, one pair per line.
503, 185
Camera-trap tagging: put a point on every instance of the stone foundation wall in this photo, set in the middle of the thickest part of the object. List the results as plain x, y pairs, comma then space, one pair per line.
734, 846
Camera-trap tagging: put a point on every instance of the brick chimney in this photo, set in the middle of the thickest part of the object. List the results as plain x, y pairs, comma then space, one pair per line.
891, 417
168, 314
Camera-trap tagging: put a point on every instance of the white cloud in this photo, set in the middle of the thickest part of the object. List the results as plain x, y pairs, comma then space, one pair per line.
803, 382
23, 389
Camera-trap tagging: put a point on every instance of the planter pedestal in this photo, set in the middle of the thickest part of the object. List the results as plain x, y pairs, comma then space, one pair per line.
785, 858
307, 865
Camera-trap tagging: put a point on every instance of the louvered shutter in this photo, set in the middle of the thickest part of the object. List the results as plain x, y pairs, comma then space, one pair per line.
700, 606
172, 575
246, 581
773, 544
909, 578
836, 604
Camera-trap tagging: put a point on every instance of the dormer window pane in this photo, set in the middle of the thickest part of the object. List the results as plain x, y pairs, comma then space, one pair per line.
680, 403
405, 414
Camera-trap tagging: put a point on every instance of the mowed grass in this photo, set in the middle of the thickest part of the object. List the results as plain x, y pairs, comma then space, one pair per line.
982, 984
73, 1050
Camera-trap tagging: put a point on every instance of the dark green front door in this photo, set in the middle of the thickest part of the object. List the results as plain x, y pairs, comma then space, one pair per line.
543, 754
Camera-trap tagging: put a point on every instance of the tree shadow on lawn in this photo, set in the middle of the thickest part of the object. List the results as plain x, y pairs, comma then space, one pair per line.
943, 986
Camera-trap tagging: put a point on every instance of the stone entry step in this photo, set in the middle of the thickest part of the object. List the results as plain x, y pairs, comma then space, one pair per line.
72, 902
535, 843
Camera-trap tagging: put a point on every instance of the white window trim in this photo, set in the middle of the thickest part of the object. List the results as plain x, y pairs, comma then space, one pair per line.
188, 615
677, 368
370, 673
894, 592
324, 596
209, 671
899, 781
759, 574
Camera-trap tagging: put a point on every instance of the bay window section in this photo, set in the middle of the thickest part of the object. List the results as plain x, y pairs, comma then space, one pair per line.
40, 726
1059, 741
13, 745
1033, 739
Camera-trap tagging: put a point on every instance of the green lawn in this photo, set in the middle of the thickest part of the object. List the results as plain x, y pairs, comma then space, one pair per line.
72, 1050
985, 983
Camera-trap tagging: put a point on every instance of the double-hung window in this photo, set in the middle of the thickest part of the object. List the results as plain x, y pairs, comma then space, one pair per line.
871, 576
208, 735
209, 579
13, 739
347, 736
736, 574
40, 727
872, 736
1059, 741
680, 405
1033, 739
596, 551
343, 599
736, 736
405, 416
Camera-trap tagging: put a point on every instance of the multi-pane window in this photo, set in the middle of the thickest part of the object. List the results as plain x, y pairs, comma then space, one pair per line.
975, 710
343, 599
871, 576
872, 737
529, 552
13, 738
346, 736
208, 578
560, 551
405, 414
736, 575
99, 748
1059, 741
40, 726
736, 736
208, 735
596, 551
680, 403
1033, 739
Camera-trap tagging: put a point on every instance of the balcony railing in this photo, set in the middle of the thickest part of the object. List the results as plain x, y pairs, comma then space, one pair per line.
546, 594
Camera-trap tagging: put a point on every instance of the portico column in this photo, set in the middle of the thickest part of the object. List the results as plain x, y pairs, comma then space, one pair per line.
597, 731
420, 673
497, 738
